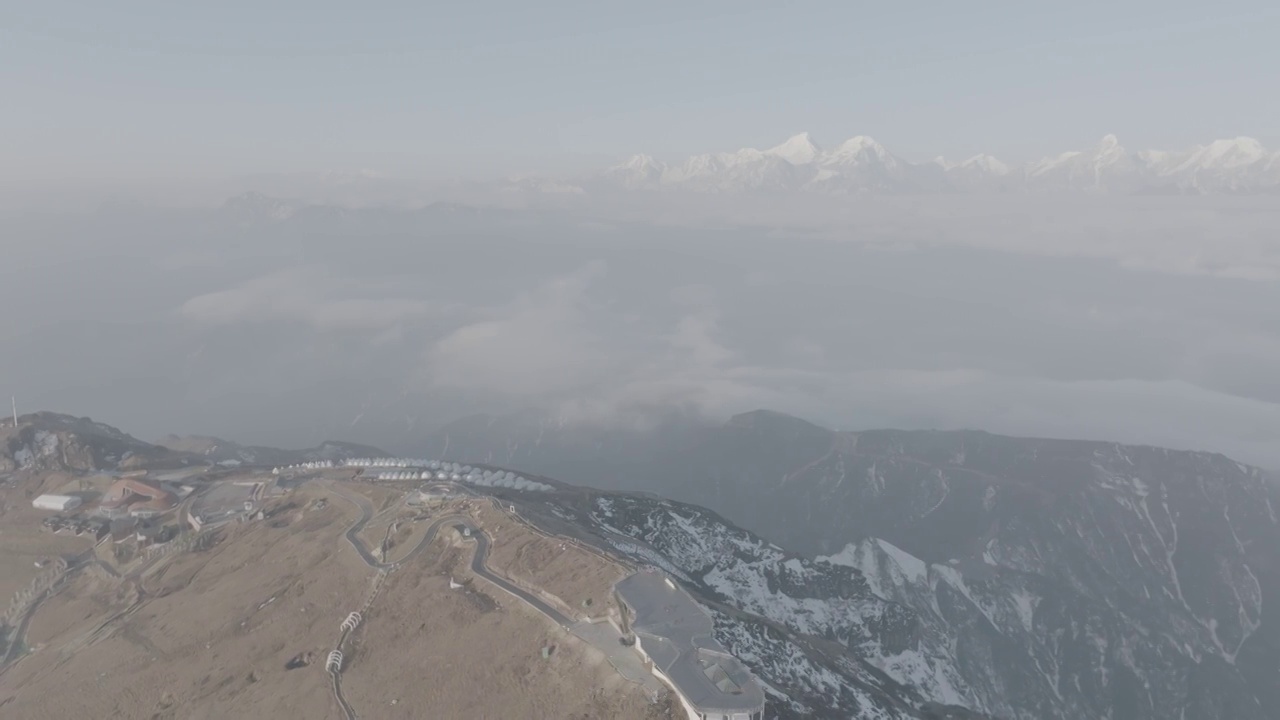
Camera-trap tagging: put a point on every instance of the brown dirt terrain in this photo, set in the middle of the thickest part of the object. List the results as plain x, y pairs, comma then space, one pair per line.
376, 529
77, 609
216, 628
583, 581
204, 645
22, 539
407, 536
381, 496
474, 652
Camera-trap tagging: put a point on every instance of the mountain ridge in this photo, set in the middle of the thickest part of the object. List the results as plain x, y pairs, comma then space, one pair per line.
1099, 579
46, 440
894, 573
807, 674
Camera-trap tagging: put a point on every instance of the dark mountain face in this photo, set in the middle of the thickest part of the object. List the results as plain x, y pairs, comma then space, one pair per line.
53, 441
607, 454
214, 450
1048, 579
824, 644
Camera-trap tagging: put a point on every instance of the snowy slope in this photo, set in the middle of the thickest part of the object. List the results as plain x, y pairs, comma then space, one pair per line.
821, 642
1022, 578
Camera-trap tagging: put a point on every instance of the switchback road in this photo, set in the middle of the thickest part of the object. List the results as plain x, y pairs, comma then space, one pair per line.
366, 514
479, 566
479, 561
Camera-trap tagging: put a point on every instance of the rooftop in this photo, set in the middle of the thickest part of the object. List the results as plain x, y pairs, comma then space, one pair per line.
676, 634
138, 494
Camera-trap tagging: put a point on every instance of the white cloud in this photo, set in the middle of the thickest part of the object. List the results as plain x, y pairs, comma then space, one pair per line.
538, 345
309, 295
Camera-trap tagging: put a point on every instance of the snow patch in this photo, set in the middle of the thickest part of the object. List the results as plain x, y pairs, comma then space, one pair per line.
47, 443
1025, 603
915, 670
987, 556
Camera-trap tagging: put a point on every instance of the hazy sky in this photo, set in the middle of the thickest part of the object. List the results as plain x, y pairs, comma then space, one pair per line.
136, 89
1142, 319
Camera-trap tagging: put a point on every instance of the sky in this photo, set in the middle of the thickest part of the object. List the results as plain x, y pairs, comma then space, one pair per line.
1141, 319
125, 90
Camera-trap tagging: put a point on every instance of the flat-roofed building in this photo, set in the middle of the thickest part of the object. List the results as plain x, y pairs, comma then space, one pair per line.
58, 503
674, 634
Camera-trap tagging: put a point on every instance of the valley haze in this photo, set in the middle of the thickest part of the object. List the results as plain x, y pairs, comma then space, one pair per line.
281, 321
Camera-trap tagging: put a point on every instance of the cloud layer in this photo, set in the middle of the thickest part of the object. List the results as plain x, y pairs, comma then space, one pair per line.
1116, 323
314, 296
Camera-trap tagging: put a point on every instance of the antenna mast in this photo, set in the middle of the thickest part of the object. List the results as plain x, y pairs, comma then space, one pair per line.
14, 400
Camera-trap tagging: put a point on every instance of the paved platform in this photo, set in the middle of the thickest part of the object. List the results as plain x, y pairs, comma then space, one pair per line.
677, 636
605, 638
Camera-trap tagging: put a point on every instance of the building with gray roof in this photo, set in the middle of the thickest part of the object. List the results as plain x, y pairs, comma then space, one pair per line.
674, 634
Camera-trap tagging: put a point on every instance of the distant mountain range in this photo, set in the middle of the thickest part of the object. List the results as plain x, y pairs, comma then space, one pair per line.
862, 165
796, 167
46, 441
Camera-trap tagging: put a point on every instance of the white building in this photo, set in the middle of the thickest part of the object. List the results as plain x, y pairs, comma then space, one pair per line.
60, 503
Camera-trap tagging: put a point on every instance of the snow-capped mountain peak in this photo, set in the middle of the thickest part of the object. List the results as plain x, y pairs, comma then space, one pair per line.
986, 164
639, 162
1161, 162
637, 171
798, 149
861, 164
1105, 167
1109, 151
861, 147
1224, 154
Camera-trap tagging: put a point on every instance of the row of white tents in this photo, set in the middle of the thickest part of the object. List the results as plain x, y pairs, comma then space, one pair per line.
400, 462
313, 465
508, 480
472, 476
412, 475
423, 469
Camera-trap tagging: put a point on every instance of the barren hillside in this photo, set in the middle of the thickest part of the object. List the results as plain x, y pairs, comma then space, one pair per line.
242, 629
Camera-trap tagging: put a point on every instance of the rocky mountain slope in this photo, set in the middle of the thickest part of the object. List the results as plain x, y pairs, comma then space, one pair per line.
51, 441
1043, 579
895, 574
229, 453
54, 441
815, 632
